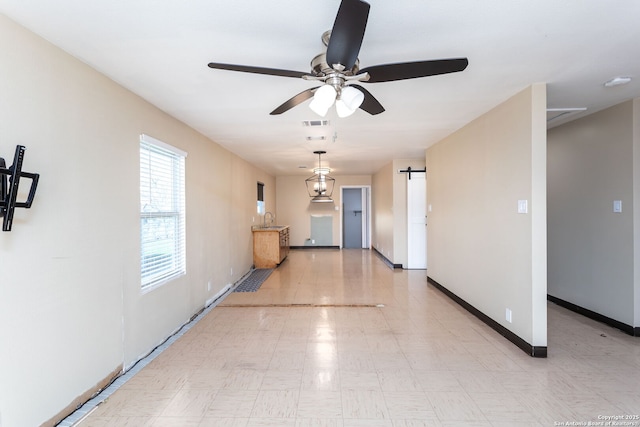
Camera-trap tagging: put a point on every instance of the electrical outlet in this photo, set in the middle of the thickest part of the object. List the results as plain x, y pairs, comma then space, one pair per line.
508, 315
209, 286
231, 272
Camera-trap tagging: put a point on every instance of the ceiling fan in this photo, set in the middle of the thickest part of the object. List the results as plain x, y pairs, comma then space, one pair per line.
338, 68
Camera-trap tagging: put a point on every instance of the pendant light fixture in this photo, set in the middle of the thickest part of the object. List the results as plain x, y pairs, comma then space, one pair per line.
320, 185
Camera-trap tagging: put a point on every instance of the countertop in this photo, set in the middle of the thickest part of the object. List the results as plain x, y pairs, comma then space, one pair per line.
269, 228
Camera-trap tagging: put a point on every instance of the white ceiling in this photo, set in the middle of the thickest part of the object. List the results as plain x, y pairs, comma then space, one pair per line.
160, 49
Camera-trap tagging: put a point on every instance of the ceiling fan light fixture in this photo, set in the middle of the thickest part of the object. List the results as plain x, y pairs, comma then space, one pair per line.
350, 100
338, 65
323, 99
352, 97
343, 109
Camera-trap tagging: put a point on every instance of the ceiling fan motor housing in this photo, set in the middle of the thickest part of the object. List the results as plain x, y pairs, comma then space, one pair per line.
320, 68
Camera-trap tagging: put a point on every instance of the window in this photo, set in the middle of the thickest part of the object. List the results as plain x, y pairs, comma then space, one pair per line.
162, 212
260, 198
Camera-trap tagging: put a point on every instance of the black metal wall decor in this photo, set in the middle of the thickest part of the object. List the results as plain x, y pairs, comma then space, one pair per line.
9, 182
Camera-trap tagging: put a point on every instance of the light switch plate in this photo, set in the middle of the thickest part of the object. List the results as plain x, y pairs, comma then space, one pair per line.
617, 206
523, 207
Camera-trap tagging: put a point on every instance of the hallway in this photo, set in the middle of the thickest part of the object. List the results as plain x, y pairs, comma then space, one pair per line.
338, 339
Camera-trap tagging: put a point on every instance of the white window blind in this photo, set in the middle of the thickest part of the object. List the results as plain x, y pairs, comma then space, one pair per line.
162, 212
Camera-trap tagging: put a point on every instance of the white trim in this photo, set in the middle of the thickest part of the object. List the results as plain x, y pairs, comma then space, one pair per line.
151, 140
144, 289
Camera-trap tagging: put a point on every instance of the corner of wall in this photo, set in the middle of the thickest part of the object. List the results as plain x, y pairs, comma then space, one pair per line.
636, 209
382, 211
539, 213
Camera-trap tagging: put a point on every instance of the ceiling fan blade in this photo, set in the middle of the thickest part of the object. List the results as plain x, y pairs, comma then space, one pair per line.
347, 33
412, 70
257, 70
298, 99
370, 103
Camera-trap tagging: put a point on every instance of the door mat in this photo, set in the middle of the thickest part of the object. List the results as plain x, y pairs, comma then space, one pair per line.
254, 280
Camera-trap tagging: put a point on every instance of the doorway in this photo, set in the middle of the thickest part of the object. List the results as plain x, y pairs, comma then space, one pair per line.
355, 217
417, 220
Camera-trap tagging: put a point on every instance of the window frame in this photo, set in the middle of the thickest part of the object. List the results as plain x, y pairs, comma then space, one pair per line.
170, 163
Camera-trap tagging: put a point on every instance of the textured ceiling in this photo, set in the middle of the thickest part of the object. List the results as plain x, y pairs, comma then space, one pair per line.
159, 49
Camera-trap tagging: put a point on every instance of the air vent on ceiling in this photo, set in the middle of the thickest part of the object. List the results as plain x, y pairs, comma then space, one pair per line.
315, 123
556, 113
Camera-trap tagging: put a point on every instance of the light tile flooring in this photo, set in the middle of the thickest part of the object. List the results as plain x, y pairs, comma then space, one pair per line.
311, 348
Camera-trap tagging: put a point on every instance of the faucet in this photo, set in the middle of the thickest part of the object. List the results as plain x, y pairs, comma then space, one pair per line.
271, 218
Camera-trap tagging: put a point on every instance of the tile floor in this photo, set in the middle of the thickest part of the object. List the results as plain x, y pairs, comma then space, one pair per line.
311, 348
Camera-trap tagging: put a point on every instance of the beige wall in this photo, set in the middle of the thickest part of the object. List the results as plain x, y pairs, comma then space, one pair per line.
71, 310
479, 247
382, 217
293, 206
593, 161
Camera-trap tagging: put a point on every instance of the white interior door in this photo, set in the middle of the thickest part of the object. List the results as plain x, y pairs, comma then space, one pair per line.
417, 220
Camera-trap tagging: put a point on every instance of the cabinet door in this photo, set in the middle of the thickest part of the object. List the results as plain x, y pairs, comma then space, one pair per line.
284, 243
